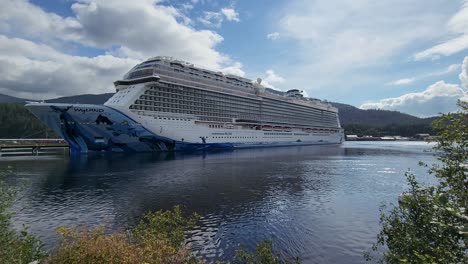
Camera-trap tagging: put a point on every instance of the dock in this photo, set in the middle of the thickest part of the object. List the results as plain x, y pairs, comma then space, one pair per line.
28, 147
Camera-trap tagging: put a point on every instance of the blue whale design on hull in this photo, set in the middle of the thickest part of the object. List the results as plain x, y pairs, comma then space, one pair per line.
98, 128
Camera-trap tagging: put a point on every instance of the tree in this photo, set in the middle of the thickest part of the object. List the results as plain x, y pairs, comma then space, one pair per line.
17, 122
430, 224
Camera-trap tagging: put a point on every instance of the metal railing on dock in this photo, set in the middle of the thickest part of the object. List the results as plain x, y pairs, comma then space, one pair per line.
24, 147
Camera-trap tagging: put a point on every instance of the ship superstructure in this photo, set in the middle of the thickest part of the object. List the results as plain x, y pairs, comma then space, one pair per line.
167, 104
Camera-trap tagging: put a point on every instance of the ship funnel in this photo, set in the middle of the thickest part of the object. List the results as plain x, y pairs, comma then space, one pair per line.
259, 80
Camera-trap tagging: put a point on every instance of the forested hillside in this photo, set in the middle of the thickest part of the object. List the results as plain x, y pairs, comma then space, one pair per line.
17, 122
371, 122
389, 130
352, 115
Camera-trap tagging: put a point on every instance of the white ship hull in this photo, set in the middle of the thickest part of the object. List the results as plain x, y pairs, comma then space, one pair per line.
98, 128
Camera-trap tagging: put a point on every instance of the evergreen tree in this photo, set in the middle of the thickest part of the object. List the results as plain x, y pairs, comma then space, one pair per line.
17, 122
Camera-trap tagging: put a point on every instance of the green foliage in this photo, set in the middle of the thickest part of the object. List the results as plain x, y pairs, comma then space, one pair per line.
408, 130
376, 118
431, 223
452, 141
82, 245
17, 122
158, 238
170, 226
15, 247
264, 254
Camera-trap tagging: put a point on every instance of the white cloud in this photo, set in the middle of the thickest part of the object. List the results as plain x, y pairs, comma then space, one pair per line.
449, 69
272, 79
19, 17
340, 46
273, 35
138, 29
440, 97
187, 7
437, 98
464, 74
128, 31
215, 19
447, 48
211, 19
230, 14
235, 69
458, 26
403, 81
39, 72
144, 29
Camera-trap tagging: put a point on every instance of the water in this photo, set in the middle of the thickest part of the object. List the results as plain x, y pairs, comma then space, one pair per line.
318, 202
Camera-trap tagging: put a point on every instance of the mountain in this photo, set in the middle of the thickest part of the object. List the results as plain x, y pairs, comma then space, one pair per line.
82, 99
78, 99
11, 99
352, 115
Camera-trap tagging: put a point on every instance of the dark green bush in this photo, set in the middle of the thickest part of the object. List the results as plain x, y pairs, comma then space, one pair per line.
158, 238
15, 247
431, 223
263, 254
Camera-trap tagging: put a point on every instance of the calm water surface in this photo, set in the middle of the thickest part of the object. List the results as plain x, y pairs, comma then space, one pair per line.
317, 202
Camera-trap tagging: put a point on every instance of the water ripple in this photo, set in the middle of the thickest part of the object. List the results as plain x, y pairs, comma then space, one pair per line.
319, 203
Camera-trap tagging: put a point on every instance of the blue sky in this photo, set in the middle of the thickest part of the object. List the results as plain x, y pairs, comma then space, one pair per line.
405, 55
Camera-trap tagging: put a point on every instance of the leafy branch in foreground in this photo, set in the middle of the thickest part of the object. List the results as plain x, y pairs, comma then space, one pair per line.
15, 247
263, 254
158, 238
430, 225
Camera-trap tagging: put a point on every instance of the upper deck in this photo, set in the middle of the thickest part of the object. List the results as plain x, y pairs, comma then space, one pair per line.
169, 69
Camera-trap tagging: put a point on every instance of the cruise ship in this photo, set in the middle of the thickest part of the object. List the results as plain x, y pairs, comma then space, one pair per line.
164, 104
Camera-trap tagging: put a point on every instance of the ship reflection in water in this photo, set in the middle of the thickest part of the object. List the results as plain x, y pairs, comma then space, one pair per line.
316, 202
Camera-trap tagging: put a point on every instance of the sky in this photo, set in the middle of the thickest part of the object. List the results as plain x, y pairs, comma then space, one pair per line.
405, 55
